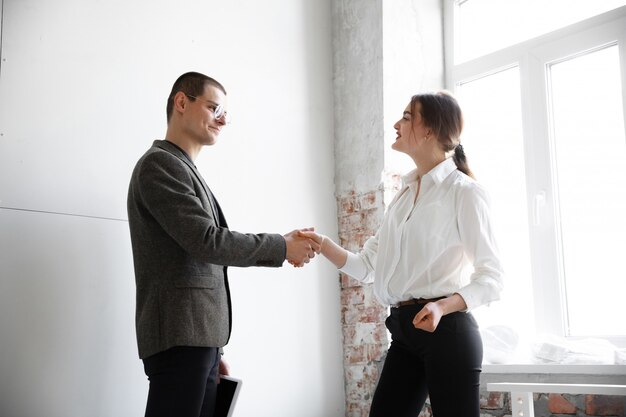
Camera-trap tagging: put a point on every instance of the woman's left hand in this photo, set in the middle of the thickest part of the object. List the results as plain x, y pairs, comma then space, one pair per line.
428, 317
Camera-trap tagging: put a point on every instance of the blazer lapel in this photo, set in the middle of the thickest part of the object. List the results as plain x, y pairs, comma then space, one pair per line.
215, 208
220, 213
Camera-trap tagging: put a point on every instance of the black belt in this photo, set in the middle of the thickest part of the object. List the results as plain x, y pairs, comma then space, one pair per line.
419, 301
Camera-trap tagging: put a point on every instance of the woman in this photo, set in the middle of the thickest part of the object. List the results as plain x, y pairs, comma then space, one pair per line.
437, 224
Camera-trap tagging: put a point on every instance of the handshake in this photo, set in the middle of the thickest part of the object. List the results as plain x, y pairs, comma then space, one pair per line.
302, 246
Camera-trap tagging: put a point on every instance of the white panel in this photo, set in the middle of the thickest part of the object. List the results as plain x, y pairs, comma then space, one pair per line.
83, 90
82, 95
67, 318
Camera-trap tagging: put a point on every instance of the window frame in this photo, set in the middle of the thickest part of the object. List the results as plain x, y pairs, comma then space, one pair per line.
533, 58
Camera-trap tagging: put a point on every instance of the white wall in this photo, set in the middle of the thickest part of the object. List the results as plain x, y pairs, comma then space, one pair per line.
83, 85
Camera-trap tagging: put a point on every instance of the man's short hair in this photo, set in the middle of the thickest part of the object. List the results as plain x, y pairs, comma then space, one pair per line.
191, 84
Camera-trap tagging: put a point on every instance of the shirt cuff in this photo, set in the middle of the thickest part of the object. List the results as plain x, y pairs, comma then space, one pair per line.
476, 295
355, 267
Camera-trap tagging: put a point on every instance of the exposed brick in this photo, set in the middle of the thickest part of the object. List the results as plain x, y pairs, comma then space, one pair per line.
354, 222
376, 352
426, 411
558, 404
359, 217
364, 335
369, 297
355, 292
352, 202
380, 335
492, 400
355, 354
364, 353
360, 381
349, 282
357, 409
352, 296
604, 405
349, 332
392, 180
363, 314
356, 228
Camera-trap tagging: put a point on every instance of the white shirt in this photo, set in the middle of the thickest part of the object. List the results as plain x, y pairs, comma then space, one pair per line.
421, 249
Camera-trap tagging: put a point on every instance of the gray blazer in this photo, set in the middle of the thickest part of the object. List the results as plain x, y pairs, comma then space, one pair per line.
181, 250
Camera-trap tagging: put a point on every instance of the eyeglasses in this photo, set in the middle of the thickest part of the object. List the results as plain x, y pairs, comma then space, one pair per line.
217, 109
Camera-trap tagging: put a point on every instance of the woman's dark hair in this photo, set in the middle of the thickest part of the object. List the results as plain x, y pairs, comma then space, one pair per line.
191, 84
442, 114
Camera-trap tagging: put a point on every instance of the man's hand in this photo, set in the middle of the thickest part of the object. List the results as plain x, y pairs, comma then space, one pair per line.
223, 369
300, 250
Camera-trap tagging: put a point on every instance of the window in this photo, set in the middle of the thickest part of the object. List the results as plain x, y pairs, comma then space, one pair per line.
545, 133
591, 207
484, 26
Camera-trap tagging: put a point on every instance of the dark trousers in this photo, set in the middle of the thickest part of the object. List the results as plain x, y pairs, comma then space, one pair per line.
182, 382
444, 365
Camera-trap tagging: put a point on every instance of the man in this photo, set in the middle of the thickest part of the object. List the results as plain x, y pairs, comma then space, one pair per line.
181, 249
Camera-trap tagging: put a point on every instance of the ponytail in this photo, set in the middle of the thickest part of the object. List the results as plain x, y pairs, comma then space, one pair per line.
461, 161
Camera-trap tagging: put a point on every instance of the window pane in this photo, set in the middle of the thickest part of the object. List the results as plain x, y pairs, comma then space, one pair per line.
590, 152
494, 145
484, 26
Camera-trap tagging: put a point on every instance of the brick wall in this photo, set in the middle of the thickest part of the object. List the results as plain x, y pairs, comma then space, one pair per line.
498, 404
364, 335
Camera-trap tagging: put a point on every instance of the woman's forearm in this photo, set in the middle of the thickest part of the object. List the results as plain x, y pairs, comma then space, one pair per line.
333, 252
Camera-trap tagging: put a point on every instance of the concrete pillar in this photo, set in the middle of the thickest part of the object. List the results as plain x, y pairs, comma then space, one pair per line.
383, 52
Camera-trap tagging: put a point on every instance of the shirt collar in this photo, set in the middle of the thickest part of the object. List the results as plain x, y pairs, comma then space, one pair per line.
436, 175
410, 178
441, 171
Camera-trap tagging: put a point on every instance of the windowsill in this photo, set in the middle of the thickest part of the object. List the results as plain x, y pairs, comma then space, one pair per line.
557, 374
555, 369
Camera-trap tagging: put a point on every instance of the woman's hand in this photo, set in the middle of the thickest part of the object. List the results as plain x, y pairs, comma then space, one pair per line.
428, 317
332, 251
316, 237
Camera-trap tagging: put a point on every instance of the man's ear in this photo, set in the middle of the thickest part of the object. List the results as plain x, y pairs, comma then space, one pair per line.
180, 102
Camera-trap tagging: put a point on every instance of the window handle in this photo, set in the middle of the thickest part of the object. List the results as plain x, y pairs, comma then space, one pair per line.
539, 203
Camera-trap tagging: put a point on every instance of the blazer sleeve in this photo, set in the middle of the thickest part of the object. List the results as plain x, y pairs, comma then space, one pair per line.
167, 190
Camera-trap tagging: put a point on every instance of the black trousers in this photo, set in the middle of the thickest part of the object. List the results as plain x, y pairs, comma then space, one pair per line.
444, 365
182, 382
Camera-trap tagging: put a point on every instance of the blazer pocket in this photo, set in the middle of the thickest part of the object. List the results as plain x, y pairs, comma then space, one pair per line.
199, 281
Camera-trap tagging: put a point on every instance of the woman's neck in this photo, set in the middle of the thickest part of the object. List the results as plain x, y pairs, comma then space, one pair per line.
425, 165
